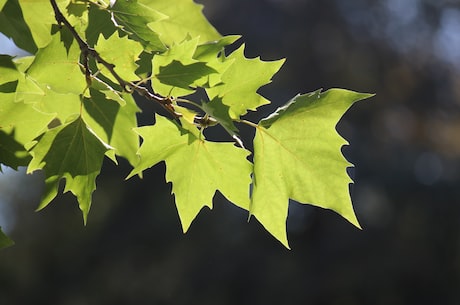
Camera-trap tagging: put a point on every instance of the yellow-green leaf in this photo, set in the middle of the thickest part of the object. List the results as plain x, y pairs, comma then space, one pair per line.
197, 168
297, 155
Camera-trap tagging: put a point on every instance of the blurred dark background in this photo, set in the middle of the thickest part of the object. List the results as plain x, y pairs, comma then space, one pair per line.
404, 143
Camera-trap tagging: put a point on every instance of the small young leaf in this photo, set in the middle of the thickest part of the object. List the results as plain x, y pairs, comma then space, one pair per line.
73, 152
241, 82
297, 155
197, 168
219, 111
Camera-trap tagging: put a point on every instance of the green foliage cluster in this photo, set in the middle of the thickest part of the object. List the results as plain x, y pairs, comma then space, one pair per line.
70, 104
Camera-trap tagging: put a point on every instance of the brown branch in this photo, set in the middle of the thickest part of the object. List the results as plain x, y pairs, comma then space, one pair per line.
87, 52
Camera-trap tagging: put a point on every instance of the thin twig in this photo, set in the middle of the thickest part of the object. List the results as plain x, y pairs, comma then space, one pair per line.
87, 51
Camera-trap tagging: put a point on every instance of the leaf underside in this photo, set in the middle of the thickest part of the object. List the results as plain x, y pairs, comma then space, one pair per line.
297, 155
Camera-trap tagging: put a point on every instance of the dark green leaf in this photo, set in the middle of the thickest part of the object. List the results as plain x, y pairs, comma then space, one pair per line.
12, 24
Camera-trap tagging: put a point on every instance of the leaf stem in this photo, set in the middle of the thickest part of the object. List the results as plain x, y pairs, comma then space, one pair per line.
248, 123
182, 100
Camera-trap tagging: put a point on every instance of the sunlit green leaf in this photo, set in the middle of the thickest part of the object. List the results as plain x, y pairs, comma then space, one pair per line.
8, 71
58, 68
134, 18
124, 55
26, 121
113, 123
185, 18
197, 168
241, 82
13, 25
176, 72
73, 152
39, 16
297, 155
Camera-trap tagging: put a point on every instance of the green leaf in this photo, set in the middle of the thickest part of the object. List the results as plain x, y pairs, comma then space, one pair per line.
5, 241
124, 55
241, 82
39, 16
297, 155
113, 123
209, 50
53, 82
27, 122
185, 18
176, 72
13, 25
2, 4
57, 67
178, 79
8, 71
135, 18
99, 22
213, 54
197, 168
73, 152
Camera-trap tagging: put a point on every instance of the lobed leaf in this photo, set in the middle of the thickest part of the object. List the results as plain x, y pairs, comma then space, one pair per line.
26, 121
39, 16
13, 25
134, 18
297, 155
184, 19
124, 56
73, 152
241, 82
57, 67
176, 72
197, 168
